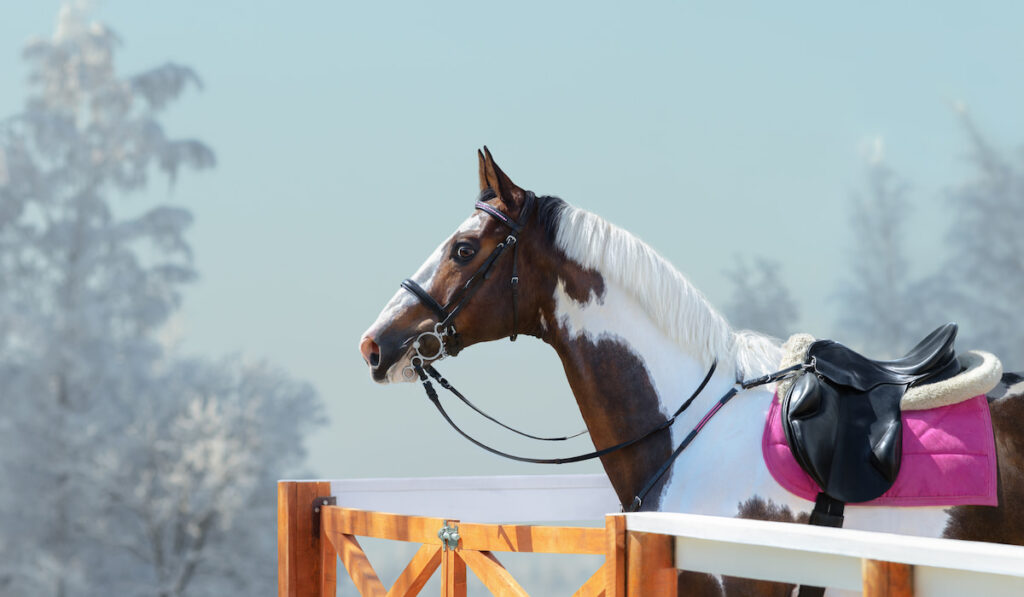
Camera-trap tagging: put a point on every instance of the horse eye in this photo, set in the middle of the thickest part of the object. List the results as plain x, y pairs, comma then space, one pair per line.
464, 252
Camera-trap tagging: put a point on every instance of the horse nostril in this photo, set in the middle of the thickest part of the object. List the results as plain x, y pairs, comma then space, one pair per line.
370, 351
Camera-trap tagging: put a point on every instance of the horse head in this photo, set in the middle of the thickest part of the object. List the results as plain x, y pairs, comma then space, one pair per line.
468, 290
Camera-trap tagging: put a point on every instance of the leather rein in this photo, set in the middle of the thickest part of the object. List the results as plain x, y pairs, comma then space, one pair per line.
444, 330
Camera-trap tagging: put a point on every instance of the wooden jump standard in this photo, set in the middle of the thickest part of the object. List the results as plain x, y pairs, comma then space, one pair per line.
644, 553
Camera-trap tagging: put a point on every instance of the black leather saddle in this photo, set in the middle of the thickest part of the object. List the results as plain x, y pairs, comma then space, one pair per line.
842, 417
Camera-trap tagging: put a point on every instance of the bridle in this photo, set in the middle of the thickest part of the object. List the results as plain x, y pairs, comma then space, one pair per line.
421, 364
444, 329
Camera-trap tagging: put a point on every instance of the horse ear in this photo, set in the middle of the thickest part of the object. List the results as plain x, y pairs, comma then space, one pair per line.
492, 176
483, 170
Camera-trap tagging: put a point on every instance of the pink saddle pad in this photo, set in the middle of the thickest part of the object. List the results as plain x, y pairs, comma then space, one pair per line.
949, 458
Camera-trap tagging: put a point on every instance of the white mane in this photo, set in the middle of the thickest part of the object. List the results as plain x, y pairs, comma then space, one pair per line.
666, 295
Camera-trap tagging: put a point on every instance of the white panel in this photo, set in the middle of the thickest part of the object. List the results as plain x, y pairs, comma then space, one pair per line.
944, 582
521, 498
768, 563
920, 551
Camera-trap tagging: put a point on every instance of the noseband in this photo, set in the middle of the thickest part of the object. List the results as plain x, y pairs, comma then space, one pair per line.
444, 332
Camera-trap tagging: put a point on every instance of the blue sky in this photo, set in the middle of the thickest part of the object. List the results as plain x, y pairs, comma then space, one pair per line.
346, 137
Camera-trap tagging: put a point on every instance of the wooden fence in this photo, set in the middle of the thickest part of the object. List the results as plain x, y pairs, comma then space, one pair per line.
321, 521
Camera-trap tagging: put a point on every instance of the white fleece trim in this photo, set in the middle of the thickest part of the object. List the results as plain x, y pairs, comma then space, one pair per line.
982, 372
794, 351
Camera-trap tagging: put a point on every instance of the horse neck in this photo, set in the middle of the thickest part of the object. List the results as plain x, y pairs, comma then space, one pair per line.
628, 377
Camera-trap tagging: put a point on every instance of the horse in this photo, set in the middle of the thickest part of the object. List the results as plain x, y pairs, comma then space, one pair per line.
635, 338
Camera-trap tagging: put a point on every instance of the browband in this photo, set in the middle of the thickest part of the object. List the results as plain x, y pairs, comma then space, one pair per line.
500, 216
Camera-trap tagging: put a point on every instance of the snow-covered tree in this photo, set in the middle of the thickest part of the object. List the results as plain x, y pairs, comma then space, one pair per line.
125, 467
196, 499
879, 299
986, 262
760, 300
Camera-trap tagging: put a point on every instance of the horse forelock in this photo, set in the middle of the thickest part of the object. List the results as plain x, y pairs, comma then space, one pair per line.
667, 297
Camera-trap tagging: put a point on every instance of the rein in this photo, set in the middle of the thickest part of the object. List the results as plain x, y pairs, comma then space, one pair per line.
648, 485
444, 330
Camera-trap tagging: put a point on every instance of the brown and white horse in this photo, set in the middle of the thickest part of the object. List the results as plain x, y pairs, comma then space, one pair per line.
635, 339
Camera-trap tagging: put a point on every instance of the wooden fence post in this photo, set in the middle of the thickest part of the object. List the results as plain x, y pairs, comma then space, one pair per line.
615, 555
453, 570
650, 565
300, 559
887, 579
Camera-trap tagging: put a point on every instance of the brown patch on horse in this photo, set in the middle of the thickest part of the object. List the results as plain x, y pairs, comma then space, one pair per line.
698, 584
583, 285
541, 267
1003, 523
758, 508
612, 387
618, 403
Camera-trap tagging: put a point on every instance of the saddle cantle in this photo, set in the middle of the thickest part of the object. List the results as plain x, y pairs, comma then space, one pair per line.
843, 423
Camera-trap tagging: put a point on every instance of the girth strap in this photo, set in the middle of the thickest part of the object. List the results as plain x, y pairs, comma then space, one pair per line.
828, 512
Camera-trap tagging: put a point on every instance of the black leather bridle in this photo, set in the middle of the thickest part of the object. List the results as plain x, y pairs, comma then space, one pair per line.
444, 330
445, 333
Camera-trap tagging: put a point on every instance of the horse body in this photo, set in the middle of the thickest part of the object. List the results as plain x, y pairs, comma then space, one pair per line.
636, 339
722, 473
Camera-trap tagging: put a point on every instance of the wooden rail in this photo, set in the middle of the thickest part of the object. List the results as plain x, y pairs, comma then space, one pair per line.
644, 553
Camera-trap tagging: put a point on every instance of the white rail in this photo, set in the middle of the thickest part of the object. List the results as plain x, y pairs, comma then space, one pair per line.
514, 498
759, 550
833, 557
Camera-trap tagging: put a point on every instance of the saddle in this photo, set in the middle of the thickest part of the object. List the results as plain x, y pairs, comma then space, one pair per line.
842, 418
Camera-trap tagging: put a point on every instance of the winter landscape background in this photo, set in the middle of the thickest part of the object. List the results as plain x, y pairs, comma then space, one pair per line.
203, 205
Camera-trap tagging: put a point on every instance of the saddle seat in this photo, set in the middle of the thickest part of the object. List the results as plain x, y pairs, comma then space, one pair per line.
932, 360
842, 415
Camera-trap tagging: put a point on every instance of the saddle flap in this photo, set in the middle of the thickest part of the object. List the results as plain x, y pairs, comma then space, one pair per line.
886, 450
848, 441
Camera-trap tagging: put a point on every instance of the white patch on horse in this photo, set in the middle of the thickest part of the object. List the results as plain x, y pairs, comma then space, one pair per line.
675, 306
653, 311
675, 373
1015, 390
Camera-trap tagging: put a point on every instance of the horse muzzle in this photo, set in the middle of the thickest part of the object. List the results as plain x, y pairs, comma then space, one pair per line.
393, 361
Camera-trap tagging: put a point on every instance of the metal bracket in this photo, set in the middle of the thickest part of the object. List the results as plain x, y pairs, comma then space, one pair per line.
327, 500
449, 536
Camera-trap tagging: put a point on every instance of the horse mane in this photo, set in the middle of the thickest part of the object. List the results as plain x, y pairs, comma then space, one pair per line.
674, 304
